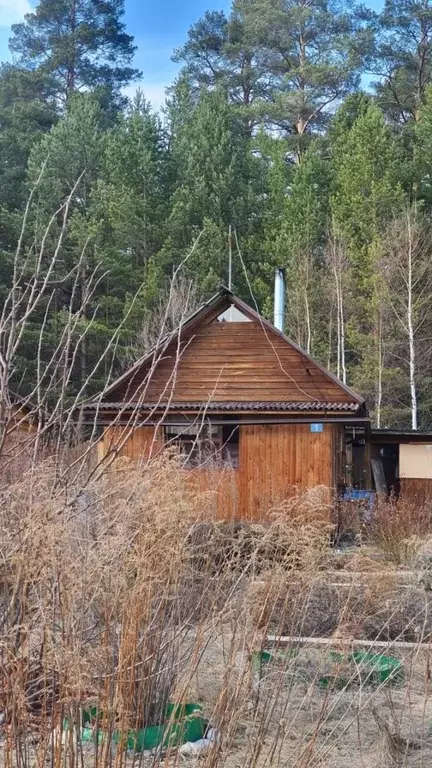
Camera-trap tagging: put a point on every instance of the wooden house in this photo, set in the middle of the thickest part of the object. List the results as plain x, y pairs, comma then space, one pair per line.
252, 414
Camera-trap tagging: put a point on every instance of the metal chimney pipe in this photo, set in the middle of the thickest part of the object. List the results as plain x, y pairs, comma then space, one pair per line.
279, 299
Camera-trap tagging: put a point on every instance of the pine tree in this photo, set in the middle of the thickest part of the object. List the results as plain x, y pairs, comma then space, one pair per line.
128, 212
71, 153
76, 45
353, 107
404, 58
220, 53
313, 53
366, 195
70, 156
204, 53
132, 191
422, 159
26, 113
298, 244
366, 188
214, 169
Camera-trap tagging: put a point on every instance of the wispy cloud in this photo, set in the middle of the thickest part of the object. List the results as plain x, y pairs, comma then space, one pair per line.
12, 11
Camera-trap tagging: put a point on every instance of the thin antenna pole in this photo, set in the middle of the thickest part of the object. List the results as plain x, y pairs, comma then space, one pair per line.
230, 257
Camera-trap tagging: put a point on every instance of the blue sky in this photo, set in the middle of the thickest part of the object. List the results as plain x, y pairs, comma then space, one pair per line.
158, 26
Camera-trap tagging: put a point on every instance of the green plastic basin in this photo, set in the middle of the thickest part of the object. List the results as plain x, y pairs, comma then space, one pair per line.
184, 722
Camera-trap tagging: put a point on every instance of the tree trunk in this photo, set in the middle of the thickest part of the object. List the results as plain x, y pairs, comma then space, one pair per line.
330, 338
340, 317
410, 326
308, 323
338, 333
342, 332
380, 370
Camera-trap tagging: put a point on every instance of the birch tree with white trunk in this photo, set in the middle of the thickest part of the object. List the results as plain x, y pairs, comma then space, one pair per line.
406, 270
337, 262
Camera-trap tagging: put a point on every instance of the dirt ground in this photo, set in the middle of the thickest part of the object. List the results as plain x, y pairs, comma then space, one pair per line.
289, 720
283, 718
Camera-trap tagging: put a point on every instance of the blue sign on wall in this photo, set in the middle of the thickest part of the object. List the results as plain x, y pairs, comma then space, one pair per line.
317, 427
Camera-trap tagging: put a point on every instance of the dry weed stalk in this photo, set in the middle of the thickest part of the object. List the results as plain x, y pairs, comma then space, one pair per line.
395, 523
111, 600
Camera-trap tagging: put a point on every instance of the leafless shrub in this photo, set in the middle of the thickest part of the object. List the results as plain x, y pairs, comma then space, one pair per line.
297, 533
395, 523
114, 602
181, 298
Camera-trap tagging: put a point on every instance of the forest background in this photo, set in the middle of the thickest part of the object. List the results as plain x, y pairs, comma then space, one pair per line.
297, 133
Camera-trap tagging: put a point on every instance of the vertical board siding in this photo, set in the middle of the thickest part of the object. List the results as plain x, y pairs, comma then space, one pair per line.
137, 444
275, 462
417, 490
17, 454
221, 487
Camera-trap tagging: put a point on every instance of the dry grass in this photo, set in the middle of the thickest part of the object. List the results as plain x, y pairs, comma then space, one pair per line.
395, 523
122, 593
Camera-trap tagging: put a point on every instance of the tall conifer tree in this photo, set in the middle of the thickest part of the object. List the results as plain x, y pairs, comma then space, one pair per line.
76, 45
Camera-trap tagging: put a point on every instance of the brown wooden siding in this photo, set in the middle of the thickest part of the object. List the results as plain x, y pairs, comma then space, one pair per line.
275, 461
338, 450
222, 487
233, 362
416, 490
139, 443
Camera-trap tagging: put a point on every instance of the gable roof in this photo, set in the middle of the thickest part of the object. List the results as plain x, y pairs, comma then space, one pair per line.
307, 398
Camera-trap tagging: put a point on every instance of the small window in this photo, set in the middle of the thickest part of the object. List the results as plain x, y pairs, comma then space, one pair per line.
233, 315
205, 445
199, 443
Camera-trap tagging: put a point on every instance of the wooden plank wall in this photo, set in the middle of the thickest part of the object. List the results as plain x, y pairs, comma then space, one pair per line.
137, 444
17, 452
221, 487
233, 362
275, 462
416, 490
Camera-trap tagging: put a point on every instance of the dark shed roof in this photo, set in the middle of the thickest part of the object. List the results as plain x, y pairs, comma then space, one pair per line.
400, 436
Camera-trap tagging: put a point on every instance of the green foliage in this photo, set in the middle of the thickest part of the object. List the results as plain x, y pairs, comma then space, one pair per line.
367, 193
131, 196
297, 226
423, 150
222, 53
404, 55
71, 154
284, 62
266, 134
26, 113
76, 45
214, 172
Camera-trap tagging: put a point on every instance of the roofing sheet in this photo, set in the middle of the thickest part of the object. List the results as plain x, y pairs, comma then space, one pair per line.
309, 406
